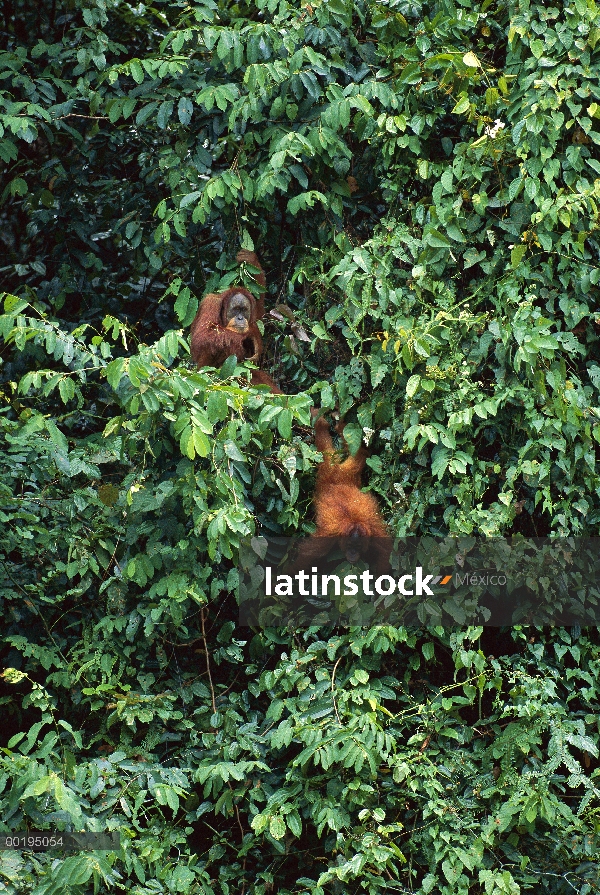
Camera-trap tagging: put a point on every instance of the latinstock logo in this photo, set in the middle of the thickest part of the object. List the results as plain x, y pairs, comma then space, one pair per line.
419, 581
318, 585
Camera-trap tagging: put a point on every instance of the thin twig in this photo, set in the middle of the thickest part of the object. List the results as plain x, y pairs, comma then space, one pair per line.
75, 115
237, 812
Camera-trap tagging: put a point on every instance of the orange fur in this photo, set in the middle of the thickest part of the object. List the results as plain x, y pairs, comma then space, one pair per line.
342, 509
213, 338
344, 513
211, 342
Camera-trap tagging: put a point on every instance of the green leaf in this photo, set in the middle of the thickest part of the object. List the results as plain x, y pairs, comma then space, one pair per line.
455, 233
182, 303
517, 254
201, 443
136, 71
128, 107
259, 823
436, 239
463, 105
411, 74
216, 407
228, 367
190, 198
66, 799
447, 180
185, 110
412, 385
56, 436
537, 48
428, 650
145, 112
294, 824
114, 371
440, 461
277, 827
66, 388
18, 187
284, 423
164, 114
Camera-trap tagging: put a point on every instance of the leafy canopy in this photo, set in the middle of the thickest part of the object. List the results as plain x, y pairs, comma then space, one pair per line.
421, 182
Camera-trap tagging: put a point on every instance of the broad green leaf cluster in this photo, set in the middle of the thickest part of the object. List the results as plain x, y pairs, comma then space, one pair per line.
421, 182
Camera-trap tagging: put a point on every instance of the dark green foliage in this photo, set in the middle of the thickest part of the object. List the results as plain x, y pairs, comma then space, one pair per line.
421, 182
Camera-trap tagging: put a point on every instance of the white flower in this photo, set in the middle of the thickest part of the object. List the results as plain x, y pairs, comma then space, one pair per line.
493, 130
